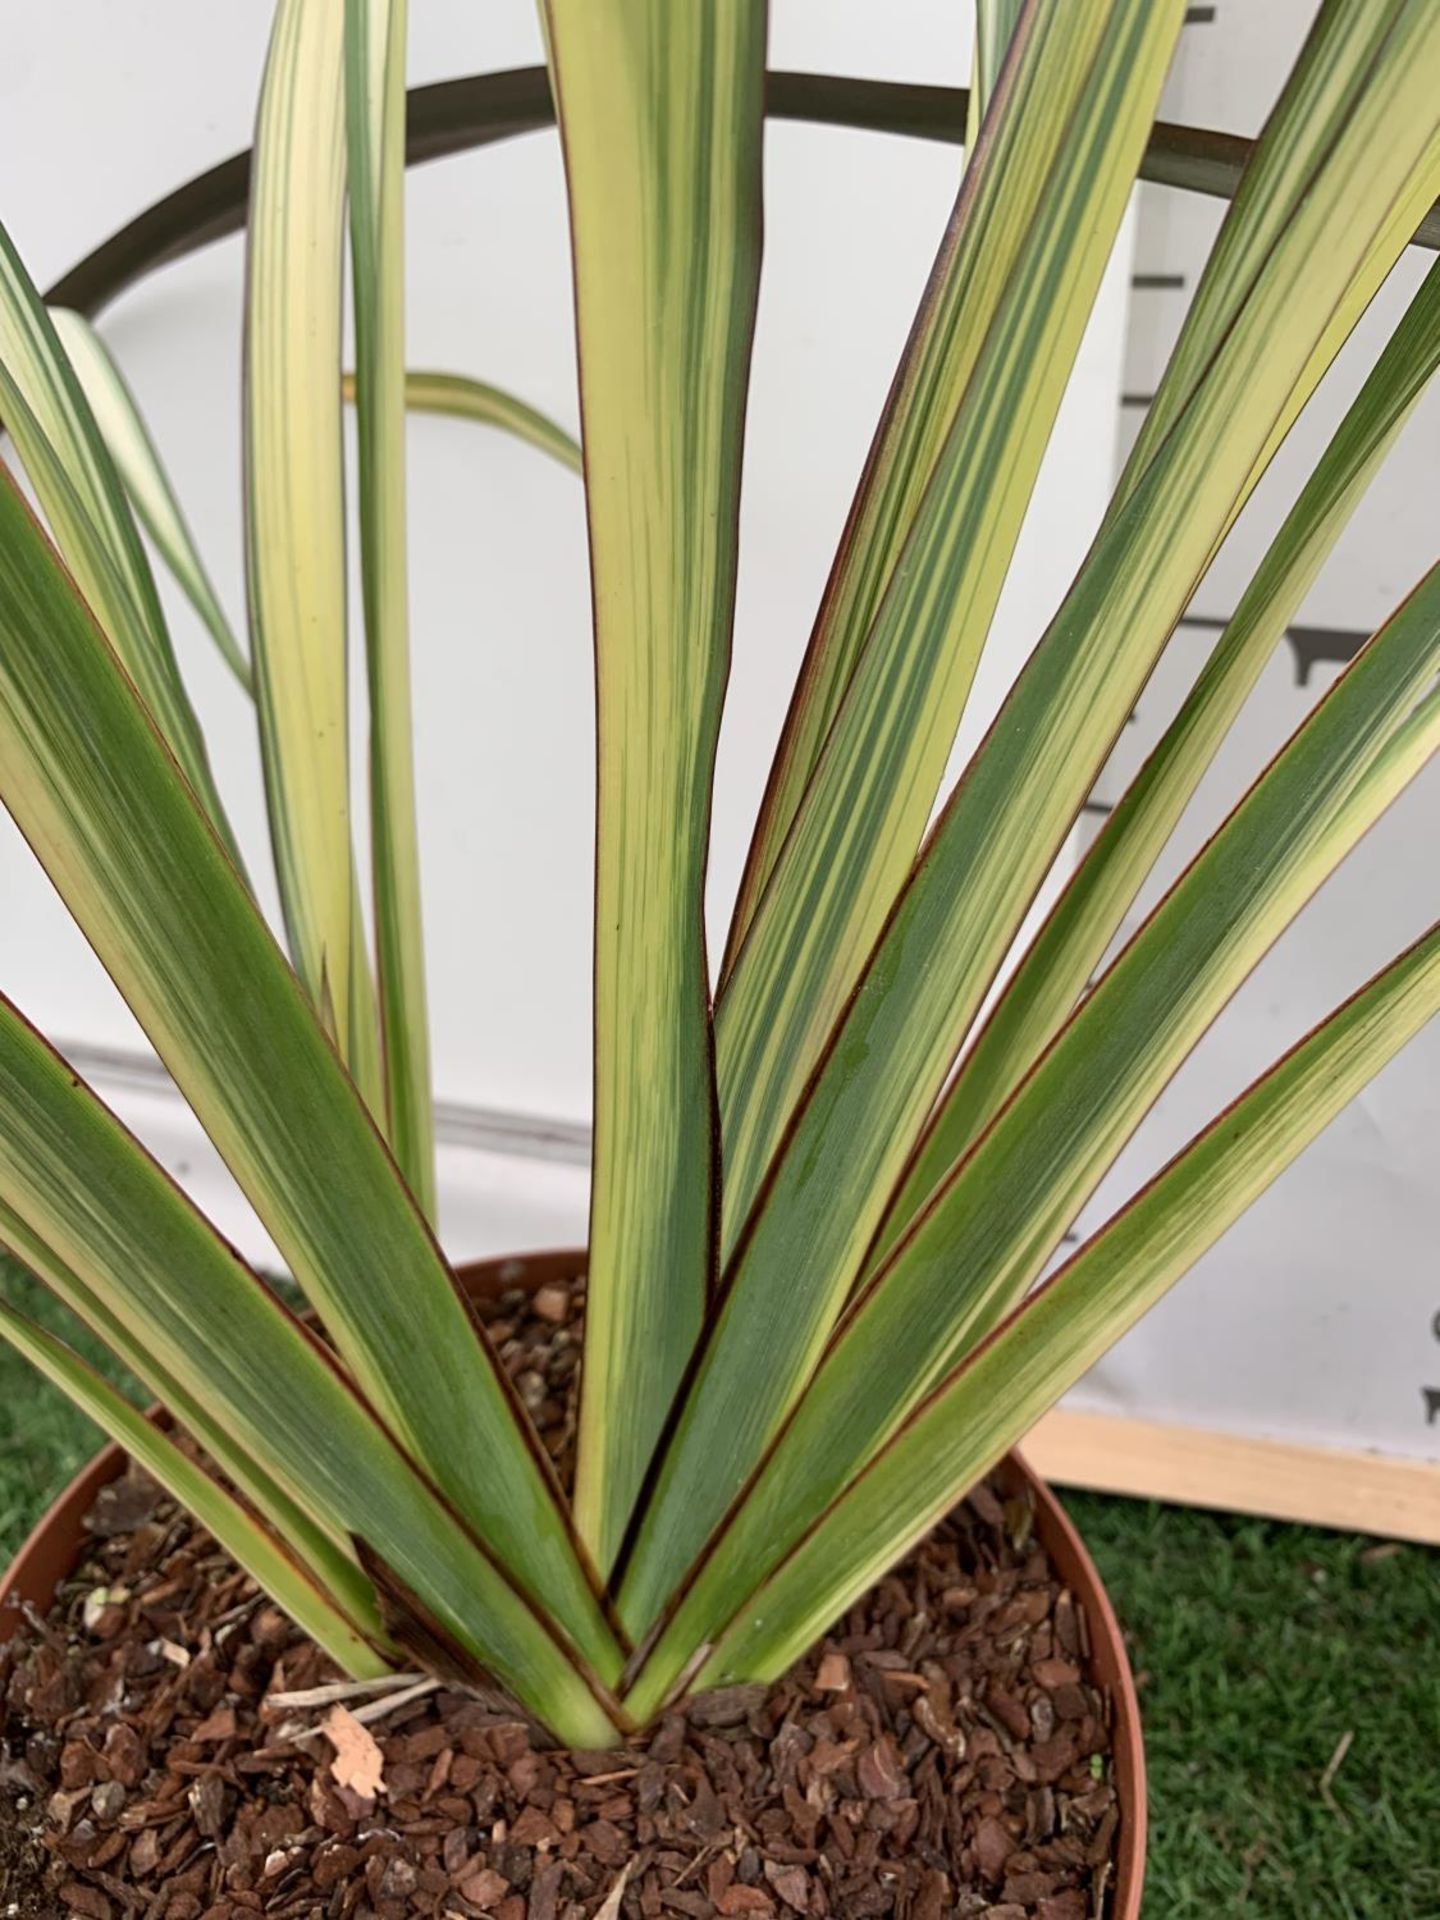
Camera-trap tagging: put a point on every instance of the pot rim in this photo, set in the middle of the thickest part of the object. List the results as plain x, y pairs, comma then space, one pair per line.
52, 1549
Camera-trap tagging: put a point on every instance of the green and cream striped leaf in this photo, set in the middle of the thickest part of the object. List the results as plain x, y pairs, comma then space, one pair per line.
94, 791
366, 1064
1070, 1116
218, 1511
995, 24
295, 500
987, 1234
375, 39
1052, 975
460, 397
1385, 250
856, 830
88, 1194
1322, 92
138, 463
1327, 82
1006, 192
36, 366
187, 1392
660, 111
988, 1403
1000, 833
47, 415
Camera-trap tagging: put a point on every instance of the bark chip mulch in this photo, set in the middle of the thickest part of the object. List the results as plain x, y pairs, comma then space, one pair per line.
941, 1753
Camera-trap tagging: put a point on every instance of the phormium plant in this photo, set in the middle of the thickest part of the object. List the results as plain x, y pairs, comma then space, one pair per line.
827, 1191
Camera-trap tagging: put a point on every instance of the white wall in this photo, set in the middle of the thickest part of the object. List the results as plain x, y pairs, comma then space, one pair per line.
102, 109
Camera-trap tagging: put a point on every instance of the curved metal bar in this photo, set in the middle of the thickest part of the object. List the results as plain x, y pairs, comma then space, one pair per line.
451, 117
457, 115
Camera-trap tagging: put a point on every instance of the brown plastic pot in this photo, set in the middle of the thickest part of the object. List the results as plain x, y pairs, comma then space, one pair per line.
53, 1549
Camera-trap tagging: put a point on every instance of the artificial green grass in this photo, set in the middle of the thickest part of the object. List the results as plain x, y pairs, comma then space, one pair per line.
1259, 1647
44, 1438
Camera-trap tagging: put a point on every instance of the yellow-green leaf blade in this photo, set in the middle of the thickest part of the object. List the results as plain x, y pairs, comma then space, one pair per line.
991, 1400
87, 1194
219, 1512
660, 113
1309, 115
94, 791
188, 1393
140, 467
995, 24
294, 494
461, 397
79, 491
977, 1245
1097, 71
1000, 833
1002, 198
1053, 973
375, 38
988, 1232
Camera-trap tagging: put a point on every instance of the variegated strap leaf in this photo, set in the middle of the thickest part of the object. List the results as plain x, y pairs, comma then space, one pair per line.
1005, 198
971, 1252
295, 501
85, 1192
138, 462
1052, 975
834, 885
1001, 831
660, 110
94, 791
314, 1542
37, 368
856, 830
987, 1404
312, 1610
987, 1234
69, 466
1310, 114
997, 838
375, 34
995, 24
464, 398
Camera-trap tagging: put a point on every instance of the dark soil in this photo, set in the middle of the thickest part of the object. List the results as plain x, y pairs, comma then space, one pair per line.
942, 1752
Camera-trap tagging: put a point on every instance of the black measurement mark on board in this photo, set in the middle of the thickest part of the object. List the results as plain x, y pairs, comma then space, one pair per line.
1200, 16
1159, 282
1136, 399
1102, 809
1432, 1405
1313, 646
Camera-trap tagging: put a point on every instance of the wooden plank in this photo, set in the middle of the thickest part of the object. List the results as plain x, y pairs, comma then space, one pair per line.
1384, 1494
